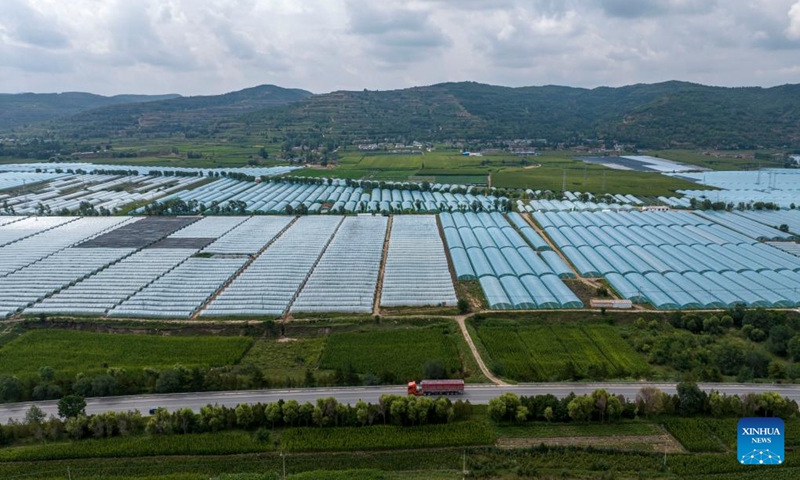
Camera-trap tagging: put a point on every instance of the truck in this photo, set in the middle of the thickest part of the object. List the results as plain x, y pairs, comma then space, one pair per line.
436, 387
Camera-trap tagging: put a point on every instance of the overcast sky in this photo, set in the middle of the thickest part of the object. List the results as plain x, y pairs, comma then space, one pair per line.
212, 46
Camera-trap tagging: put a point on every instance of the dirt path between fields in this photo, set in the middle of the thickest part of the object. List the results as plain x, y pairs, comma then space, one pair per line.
463, 326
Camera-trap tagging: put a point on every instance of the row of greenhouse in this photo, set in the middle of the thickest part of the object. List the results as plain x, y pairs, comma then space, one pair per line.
696, 264
286, 197
512, 275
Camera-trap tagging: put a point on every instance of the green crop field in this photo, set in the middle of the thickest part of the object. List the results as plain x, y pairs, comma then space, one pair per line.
402, 352
552, 430
548, 172
72, 352
544, 352
289, 357
693, 434
383, 437
220, 443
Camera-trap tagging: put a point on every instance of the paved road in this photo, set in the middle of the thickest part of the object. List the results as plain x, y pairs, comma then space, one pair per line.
479, 394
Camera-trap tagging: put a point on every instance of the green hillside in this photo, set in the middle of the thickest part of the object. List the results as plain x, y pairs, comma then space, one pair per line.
19, 110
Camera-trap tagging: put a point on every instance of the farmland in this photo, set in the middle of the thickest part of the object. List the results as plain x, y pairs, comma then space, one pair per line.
96, 352
547, 172
384, 437
394, 354
541, 352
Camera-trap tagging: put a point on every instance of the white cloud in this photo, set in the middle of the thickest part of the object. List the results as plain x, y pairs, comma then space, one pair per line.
794, 22
213, 46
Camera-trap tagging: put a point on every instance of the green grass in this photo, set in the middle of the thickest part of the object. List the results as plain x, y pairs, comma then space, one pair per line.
71, 352
541, 352
383, 437
286, 358
553, 430
404, 352
220, 443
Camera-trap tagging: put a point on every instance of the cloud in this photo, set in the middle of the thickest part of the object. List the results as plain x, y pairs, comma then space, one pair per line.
395, 36
793, 31
651, 8
213, 46
24, 24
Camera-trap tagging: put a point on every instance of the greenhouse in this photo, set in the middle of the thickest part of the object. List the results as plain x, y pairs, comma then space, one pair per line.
416, 271
486, 247
674, 259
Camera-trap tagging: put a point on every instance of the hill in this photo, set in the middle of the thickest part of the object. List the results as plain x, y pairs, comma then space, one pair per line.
664, 115
189, 116
21, 109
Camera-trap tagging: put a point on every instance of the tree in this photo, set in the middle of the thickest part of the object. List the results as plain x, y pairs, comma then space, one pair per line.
10, 388
793, 348
548, 414
690, 398
434, 370
463, 305
71, 406
580, 408
779, 337
34, 416
244, 415
169, 381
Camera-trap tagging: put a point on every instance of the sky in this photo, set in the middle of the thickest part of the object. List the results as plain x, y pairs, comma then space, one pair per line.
203, 47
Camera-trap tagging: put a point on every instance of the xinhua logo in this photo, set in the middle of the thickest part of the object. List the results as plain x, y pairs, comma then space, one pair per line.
760, 441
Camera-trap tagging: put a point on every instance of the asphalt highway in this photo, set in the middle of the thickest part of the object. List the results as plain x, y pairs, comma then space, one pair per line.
479, 394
